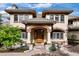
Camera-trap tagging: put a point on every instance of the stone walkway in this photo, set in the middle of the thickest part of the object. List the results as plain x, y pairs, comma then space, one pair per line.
38, 49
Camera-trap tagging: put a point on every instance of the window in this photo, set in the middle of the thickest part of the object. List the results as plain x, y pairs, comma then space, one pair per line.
62, 18
52, 17
20, 17
15, 18
23, 17
26, 17
57, 35
57, 18
23, 35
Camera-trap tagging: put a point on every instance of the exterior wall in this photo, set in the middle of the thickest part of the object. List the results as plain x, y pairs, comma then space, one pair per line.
20, 25
62, 26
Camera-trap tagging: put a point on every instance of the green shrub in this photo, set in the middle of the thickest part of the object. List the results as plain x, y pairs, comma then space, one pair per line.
52, 48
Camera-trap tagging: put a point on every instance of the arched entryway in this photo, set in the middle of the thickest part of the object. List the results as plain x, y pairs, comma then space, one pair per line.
38, 35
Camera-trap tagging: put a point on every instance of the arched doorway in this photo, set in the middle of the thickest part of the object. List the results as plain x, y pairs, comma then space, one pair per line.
39, 35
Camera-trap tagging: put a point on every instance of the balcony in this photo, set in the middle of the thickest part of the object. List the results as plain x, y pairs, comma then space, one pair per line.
39, 21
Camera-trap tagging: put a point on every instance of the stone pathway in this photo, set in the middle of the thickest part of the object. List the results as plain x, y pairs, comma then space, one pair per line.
38, 49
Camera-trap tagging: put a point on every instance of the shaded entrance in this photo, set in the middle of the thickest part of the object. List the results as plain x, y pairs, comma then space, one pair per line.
39, 35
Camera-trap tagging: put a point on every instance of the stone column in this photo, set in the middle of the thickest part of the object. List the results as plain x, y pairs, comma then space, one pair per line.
48, 35
48, 40
65, 37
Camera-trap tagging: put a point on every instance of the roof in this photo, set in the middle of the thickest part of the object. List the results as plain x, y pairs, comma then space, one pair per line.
56, 12
21, 11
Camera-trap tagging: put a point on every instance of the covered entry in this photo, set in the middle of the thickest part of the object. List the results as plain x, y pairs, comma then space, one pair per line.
39, 35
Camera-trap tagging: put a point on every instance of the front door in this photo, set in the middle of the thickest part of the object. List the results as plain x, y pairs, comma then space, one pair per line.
39, 36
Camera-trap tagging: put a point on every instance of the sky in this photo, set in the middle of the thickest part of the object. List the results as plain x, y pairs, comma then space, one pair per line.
39, 7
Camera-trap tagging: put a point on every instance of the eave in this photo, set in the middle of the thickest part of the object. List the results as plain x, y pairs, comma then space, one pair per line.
56, 12
21, 11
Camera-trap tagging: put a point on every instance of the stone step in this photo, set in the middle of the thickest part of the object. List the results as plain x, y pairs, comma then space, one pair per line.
37, 49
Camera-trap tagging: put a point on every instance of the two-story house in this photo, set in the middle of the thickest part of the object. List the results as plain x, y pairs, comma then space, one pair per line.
47, 27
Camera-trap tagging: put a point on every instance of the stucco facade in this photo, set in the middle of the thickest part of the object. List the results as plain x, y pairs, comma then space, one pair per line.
41, 28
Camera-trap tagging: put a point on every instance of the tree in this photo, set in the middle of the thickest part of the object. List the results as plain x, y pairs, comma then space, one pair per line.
0, 19
9, 35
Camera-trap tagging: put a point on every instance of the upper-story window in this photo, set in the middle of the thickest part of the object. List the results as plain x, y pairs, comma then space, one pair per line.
15, 18
57, 18
20, 17
62, 18
23, 17
26, 17
51, 16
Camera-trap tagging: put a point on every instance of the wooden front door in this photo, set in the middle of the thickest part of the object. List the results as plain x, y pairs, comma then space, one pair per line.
39, 36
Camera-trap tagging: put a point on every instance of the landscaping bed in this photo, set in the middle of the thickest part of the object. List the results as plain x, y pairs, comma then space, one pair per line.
20, 49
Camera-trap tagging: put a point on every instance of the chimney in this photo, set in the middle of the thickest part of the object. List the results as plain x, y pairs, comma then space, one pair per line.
14, 6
